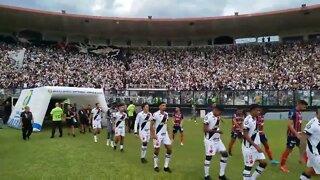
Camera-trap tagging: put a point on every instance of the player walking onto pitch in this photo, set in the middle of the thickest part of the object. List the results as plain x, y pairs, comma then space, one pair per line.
251, 149
178, 125
263, 138
119, 126
294, 132
160, 135
213, 142
143, 121
236, 132
311, 137
111, 114
95, 120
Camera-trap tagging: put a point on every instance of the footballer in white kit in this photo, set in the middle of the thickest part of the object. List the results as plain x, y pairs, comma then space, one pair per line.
160, 135
310, 143
95, 118
143, 121
213, 143
251, 149
119, 126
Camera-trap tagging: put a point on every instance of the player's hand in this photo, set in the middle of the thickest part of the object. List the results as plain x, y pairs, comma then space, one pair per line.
299, 136
220, 132
136, 135
259, 149
154, 137
113, 129
302, 160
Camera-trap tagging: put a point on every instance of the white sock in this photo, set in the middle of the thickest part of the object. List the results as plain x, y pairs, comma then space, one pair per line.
206, 168
112, 143
167, 160
155, 160
247, 174
304, 177
143, 151
257, 173
95, 138
223, 165
121, 146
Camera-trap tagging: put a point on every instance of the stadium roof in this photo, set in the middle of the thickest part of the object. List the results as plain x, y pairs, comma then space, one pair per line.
303, 20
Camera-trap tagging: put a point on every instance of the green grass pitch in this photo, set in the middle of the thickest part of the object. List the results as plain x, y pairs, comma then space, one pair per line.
81, 158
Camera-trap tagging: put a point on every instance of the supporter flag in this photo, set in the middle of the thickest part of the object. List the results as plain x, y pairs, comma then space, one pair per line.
107, 51
67, 101
17, 56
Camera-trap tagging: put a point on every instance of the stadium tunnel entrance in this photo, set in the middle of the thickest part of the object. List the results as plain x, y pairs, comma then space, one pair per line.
42, 100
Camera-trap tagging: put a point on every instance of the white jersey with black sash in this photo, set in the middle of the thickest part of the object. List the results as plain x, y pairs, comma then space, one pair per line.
250, 124
161, 120
96, 114
120, 118
143, 121
213, 123
313, 130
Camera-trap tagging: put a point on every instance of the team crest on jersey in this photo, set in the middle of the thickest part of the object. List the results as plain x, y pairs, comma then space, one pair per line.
246, 122
309, 126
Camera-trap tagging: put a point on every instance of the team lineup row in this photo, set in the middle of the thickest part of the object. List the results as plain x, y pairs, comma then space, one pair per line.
247, 127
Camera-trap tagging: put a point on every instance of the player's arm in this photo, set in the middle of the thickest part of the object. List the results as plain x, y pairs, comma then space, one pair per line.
206, 128
235, 123
303, 146
152, 131
291, 127
136, 122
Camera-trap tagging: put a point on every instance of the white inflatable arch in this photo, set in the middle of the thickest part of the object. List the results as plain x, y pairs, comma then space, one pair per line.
38, 100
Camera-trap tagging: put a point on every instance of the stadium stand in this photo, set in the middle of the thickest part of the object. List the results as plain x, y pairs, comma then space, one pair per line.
265, 66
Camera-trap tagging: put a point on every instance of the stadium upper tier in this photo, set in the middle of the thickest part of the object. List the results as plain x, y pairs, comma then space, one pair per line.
235, 67
52, 26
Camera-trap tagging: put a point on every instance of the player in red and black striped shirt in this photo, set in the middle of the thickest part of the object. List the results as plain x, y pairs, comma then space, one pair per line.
293, 132
236, 131
178, 124
263, 138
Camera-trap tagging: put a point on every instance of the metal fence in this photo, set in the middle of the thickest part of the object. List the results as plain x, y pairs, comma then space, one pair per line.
226, 97
266, 98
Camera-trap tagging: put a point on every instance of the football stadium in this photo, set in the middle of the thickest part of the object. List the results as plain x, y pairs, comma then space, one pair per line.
92, 96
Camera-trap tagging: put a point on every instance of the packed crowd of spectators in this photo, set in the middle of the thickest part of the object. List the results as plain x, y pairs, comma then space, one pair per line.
234, 67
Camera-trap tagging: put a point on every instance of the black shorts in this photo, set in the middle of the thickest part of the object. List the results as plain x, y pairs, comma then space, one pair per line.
176, 129
84, 121
292, 142
263, 138
69, 122
236, 134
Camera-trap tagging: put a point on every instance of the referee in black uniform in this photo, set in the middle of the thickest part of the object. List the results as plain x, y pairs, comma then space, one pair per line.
26, 121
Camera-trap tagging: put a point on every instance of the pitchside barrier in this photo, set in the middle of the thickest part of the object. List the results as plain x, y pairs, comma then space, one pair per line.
277, 103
